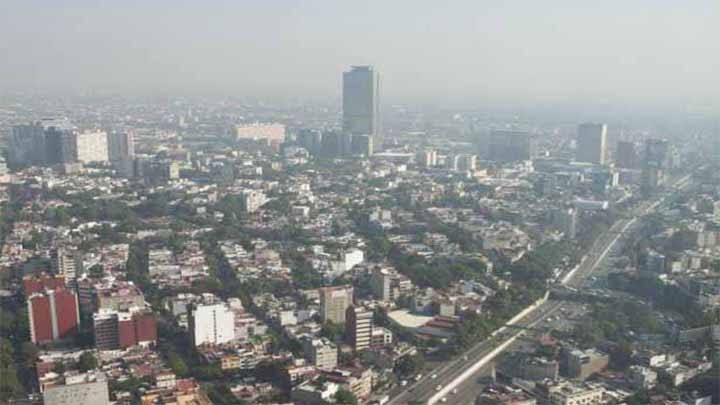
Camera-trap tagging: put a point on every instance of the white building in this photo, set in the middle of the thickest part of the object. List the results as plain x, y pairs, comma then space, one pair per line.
92, 147
212, 324
252, 200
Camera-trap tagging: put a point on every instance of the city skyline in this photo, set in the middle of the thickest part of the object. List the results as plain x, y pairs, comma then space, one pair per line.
641, 52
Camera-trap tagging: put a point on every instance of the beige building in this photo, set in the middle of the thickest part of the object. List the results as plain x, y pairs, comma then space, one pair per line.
571, 394
334, 301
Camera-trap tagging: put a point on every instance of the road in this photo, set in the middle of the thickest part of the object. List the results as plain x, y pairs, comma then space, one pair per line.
458, 371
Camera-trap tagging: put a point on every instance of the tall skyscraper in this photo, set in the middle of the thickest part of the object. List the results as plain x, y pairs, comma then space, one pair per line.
361, 103
121, 146
627, 157
655, 164
334, 301
26, 145
591, 144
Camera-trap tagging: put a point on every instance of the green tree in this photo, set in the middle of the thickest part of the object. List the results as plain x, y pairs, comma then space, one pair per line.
177, 364
87, 361
410, 365
345, 397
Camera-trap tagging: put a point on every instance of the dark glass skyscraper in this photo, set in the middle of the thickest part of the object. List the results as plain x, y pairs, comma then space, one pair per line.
361, 103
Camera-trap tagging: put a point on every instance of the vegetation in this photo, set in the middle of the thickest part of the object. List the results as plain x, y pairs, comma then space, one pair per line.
345, 397
410, 365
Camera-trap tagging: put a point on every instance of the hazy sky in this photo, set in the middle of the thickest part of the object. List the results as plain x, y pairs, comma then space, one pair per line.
536, 49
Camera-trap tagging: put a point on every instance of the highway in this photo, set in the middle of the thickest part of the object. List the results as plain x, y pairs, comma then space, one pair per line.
451, 375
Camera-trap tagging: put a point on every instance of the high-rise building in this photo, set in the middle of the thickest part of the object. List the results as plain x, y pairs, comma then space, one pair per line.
362, 145
381, 284
311, 139
358, 327
67, 263
655, 164
212, 324
91, 146
54, 315
334, 301
627, 157
591, 143
361, 102
59, 146
510, 146
121, 146
467, 163
120, 330
26, 145
427, 158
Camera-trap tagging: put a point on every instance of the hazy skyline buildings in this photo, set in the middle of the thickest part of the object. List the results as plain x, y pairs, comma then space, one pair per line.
591, 144
361, 103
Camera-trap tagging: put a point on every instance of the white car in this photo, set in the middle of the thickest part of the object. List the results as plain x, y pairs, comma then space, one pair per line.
443, 399
434, 376
454, 391
403, 383
438, 388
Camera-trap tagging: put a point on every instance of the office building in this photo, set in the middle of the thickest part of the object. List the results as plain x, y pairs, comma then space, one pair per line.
362, 145
26, 145
121, 146
655, 164
67, 263
467, 163
321, 353
582, 364
212, 324
311, 140
334, 301
53, 315
82, 389
90, 147
510, 146
358, 327
120, 330
627, 157
427, 158
591, 144
361, 103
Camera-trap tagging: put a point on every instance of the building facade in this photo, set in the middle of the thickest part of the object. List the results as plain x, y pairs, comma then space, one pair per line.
591, 143
361, 103
334, 301
53, 315
212, 324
